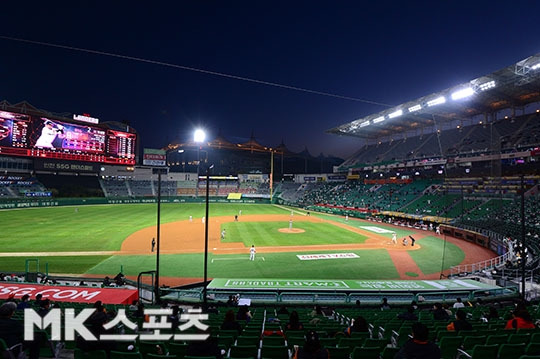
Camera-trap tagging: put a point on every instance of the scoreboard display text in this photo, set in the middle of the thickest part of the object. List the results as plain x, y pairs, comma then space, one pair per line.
31, 136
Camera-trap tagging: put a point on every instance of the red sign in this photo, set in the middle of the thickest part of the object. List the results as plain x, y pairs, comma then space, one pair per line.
69, 294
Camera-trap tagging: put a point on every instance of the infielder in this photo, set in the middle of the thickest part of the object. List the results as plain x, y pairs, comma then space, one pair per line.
394, 238
252, 252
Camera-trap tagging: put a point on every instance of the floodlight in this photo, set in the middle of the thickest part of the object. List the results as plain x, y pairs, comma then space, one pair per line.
487, 85
199, 136
378, 119
463, 93
415, 108
364, 124
396, 114
437, 101
536, 66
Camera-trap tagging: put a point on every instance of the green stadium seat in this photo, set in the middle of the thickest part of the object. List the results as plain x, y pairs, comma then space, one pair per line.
366, 353
339, 353
389, 353
511, 351
92, 354
532, 349
178, 349
124, 355
479, 352
244, 351
470, 341
496, 339
449, 346
274, 352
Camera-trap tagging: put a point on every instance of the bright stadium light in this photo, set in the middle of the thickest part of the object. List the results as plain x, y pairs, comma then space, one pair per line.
536, 66
415, 108
396, 114
378, 119
437, 101
199, 136
463, 93
487, 85
364, 124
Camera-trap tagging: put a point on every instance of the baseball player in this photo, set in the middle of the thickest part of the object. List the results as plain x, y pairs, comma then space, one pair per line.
394, 238
48, 134
252, 252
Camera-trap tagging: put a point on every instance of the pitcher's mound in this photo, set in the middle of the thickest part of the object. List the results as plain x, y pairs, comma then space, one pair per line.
293, 230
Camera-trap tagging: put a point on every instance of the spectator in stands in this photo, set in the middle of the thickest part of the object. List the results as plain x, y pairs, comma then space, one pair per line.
419, 346
243, 313
460, 323
23, 304
133, 306
521, 319
317, 314
283, 310
360, 325
37, 302
493, 314
232, 302
439, 313
294, 322
44, 307
408, 315
414, 304
12, 332
230, 323
312, 348
458, 304
106, 281
384, 305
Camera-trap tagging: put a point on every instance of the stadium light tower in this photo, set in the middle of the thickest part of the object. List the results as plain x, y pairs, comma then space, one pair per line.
198, 137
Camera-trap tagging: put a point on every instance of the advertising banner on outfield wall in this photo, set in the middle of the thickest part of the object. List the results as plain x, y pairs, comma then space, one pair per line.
152, 157
68, 294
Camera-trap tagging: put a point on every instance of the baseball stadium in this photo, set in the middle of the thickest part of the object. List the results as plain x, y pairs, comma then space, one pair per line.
439, 204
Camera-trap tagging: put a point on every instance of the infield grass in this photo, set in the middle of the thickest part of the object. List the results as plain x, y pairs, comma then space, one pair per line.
268, 234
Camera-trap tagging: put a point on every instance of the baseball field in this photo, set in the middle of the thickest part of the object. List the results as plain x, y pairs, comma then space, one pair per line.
104, 239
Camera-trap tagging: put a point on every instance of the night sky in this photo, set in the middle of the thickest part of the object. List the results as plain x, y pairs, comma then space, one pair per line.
386, 51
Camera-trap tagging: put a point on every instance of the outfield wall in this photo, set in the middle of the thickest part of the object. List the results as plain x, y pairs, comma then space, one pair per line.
25, 203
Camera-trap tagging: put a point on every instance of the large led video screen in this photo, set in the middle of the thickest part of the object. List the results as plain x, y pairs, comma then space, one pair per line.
23, 135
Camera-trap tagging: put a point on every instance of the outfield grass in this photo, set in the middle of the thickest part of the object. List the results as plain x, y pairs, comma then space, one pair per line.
98, 228
429, 257
267, 234
62, 264
372, 264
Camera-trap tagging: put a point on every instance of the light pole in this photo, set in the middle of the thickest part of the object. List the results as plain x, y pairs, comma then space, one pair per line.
198, 137
206, 220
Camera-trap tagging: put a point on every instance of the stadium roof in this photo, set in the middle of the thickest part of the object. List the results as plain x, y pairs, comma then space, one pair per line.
511, 87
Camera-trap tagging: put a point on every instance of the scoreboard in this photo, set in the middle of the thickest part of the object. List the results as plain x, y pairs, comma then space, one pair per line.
41, 137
